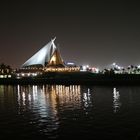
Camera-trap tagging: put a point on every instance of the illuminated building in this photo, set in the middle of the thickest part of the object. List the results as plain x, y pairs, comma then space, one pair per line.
5, 71
47, 59
48, 55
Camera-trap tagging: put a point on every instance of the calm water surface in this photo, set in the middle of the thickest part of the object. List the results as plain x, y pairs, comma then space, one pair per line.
75, 111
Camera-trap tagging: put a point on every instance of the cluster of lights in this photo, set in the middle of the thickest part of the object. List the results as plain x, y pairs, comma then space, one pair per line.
91, 69
129, 70
67, 69
117, 66
85, 67
31, 68
5, 76
96, 70
26, 74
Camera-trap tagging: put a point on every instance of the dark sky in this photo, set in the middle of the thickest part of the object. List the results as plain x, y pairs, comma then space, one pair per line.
87, 32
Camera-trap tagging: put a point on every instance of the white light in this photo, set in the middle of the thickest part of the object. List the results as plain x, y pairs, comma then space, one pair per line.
70, 63
1, 76
119, 67
84, 67
9, 76
97, 70
34, 74
114, 64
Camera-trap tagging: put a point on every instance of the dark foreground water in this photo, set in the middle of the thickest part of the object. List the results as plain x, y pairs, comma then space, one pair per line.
70, 112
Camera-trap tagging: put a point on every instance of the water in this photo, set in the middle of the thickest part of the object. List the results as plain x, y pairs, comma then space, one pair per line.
58, 111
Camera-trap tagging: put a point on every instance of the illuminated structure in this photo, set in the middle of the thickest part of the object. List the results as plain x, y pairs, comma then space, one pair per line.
45, 57
5, 71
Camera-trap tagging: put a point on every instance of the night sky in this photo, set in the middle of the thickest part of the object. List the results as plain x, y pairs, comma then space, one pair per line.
97, 33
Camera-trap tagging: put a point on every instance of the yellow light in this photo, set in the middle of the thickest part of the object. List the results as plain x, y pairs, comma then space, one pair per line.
53, 59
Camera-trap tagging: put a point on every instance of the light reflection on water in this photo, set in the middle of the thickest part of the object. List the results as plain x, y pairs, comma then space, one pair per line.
43, 101
116, 100
59, 111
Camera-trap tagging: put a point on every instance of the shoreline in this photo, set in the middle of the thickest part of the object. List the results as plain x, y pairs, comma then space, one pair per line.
79, 78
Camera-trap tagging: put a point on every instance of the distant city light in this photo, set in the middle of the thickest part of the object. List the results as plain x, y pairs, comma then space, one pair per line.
70, 63
114, 64
95, 70
84, 68
119, 67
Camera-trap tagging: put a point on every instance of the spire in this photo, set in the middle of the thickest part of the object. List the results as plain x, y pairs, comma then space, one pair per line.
53, 39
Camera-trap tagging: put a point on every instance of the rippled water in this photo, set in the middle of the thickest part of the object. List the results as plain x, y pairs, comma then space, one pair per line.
58, 111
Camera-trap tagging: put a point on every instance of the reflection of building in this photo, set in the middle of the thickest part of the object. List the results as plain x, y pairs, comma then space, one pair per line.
72, 96
47, 98
47, 59
39, 103
68, 95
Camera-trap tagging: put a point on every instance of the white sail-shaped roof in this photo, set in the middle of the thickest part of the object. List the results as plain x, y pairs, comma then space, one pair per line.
42, 56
